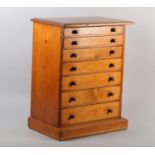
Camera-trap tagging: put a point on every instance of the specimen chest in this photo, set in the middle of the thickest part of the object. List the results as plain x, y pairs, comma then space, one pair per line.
77, 76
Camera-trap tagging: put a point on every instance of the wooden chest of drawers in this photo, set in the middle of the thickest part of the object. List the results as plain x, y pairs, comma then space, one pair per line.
77, 75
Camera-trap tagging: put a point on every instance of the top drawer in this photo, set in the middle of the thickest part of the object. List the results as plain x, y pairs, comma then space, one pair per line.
93, 31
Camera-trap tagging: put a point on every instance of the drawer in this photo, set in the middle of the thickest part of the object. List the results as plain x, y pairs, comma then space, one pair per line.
92, 54
73, 43
90, 81
90, 96
86, 67
95, 31
90, 113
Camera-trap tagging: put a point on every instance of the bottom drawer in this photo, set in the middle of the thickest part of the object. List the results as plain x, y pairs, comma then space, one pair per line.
90, 113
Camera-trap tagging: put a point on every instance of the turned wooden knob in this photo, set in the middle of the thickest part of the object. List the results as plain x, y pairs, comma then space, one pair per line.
111, 52
110, 79
113, 40
71, 117
110, 94
72, 99
72, 69
74, 42
75, 32
72, 83
113, 29
109, 111
111, 65
73, 55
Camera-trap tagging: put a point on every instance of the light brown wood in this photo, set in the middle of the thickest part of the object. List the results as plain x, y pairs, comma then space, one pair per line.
90, 81
82, 21
121, 94
92, 54
91, 96
87, 67
44, 128
90, 113
93, 31
78, 130
73, 43
93, 127
77, 76
46, 73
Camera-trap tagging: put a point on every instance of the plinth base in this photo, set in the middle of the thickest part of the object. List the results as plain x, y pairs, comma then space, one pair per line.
78, 130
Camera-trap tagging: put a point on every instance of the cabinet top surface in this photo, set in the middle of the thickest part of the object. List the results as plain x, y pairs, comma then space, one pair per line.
81, 21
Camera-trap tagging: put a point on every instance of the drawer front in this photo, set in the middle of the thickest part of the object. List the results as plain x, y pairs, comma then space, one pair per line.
91, 96
95, 31
90, 113
90, 81
92, 54
75, 68
73, 43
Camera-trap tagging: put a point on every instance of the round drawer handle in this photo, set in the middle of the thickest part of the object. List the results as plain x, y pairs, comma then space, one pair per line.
72, 69
75, 32
109, 111
70, 117
110, 94
74, 42
110, 79
72, 99
113, 29
72, 83
73, 55
113, 40
111, 52
111, 65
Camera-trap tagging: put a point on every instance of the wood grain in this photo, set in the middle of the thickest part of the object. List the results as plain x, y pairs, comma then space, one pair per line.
87, 67
90, 113
78, 130
93, 127
44, 128
77, 76
93, 31
90, 81
82, 21
87, 42
46, 73
92, 54
90, 96
122, 75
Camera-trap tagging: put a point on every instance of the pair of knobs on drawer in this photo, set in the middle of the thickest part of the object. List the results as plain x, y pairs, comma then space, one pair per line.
76, 31
73, 83
71, 116
76, 42
72, 69
74, 55
73, 99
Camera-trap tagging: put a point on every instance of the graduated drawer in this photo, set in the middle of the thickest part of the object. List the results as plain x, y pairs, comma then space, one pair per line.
73, 43
95, 31
90, 96
92, 54
75, 68
90, 81
90, 113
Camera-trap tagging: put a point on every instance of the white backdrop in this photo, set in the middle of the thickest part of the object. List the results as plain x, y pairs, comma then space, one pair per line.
15, 77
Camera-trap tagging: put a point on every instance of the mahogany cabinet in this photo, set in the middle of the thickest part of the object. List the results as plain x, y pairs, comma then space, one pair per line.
77, 76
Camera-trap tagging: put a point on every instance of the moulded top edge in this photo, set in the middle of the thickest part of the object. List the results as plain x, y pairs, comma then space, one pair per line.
81, 21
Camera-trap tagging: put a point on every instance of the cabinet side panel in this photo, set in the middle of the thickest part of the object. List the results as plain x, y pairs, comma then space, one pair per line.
45, 73
122, 75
